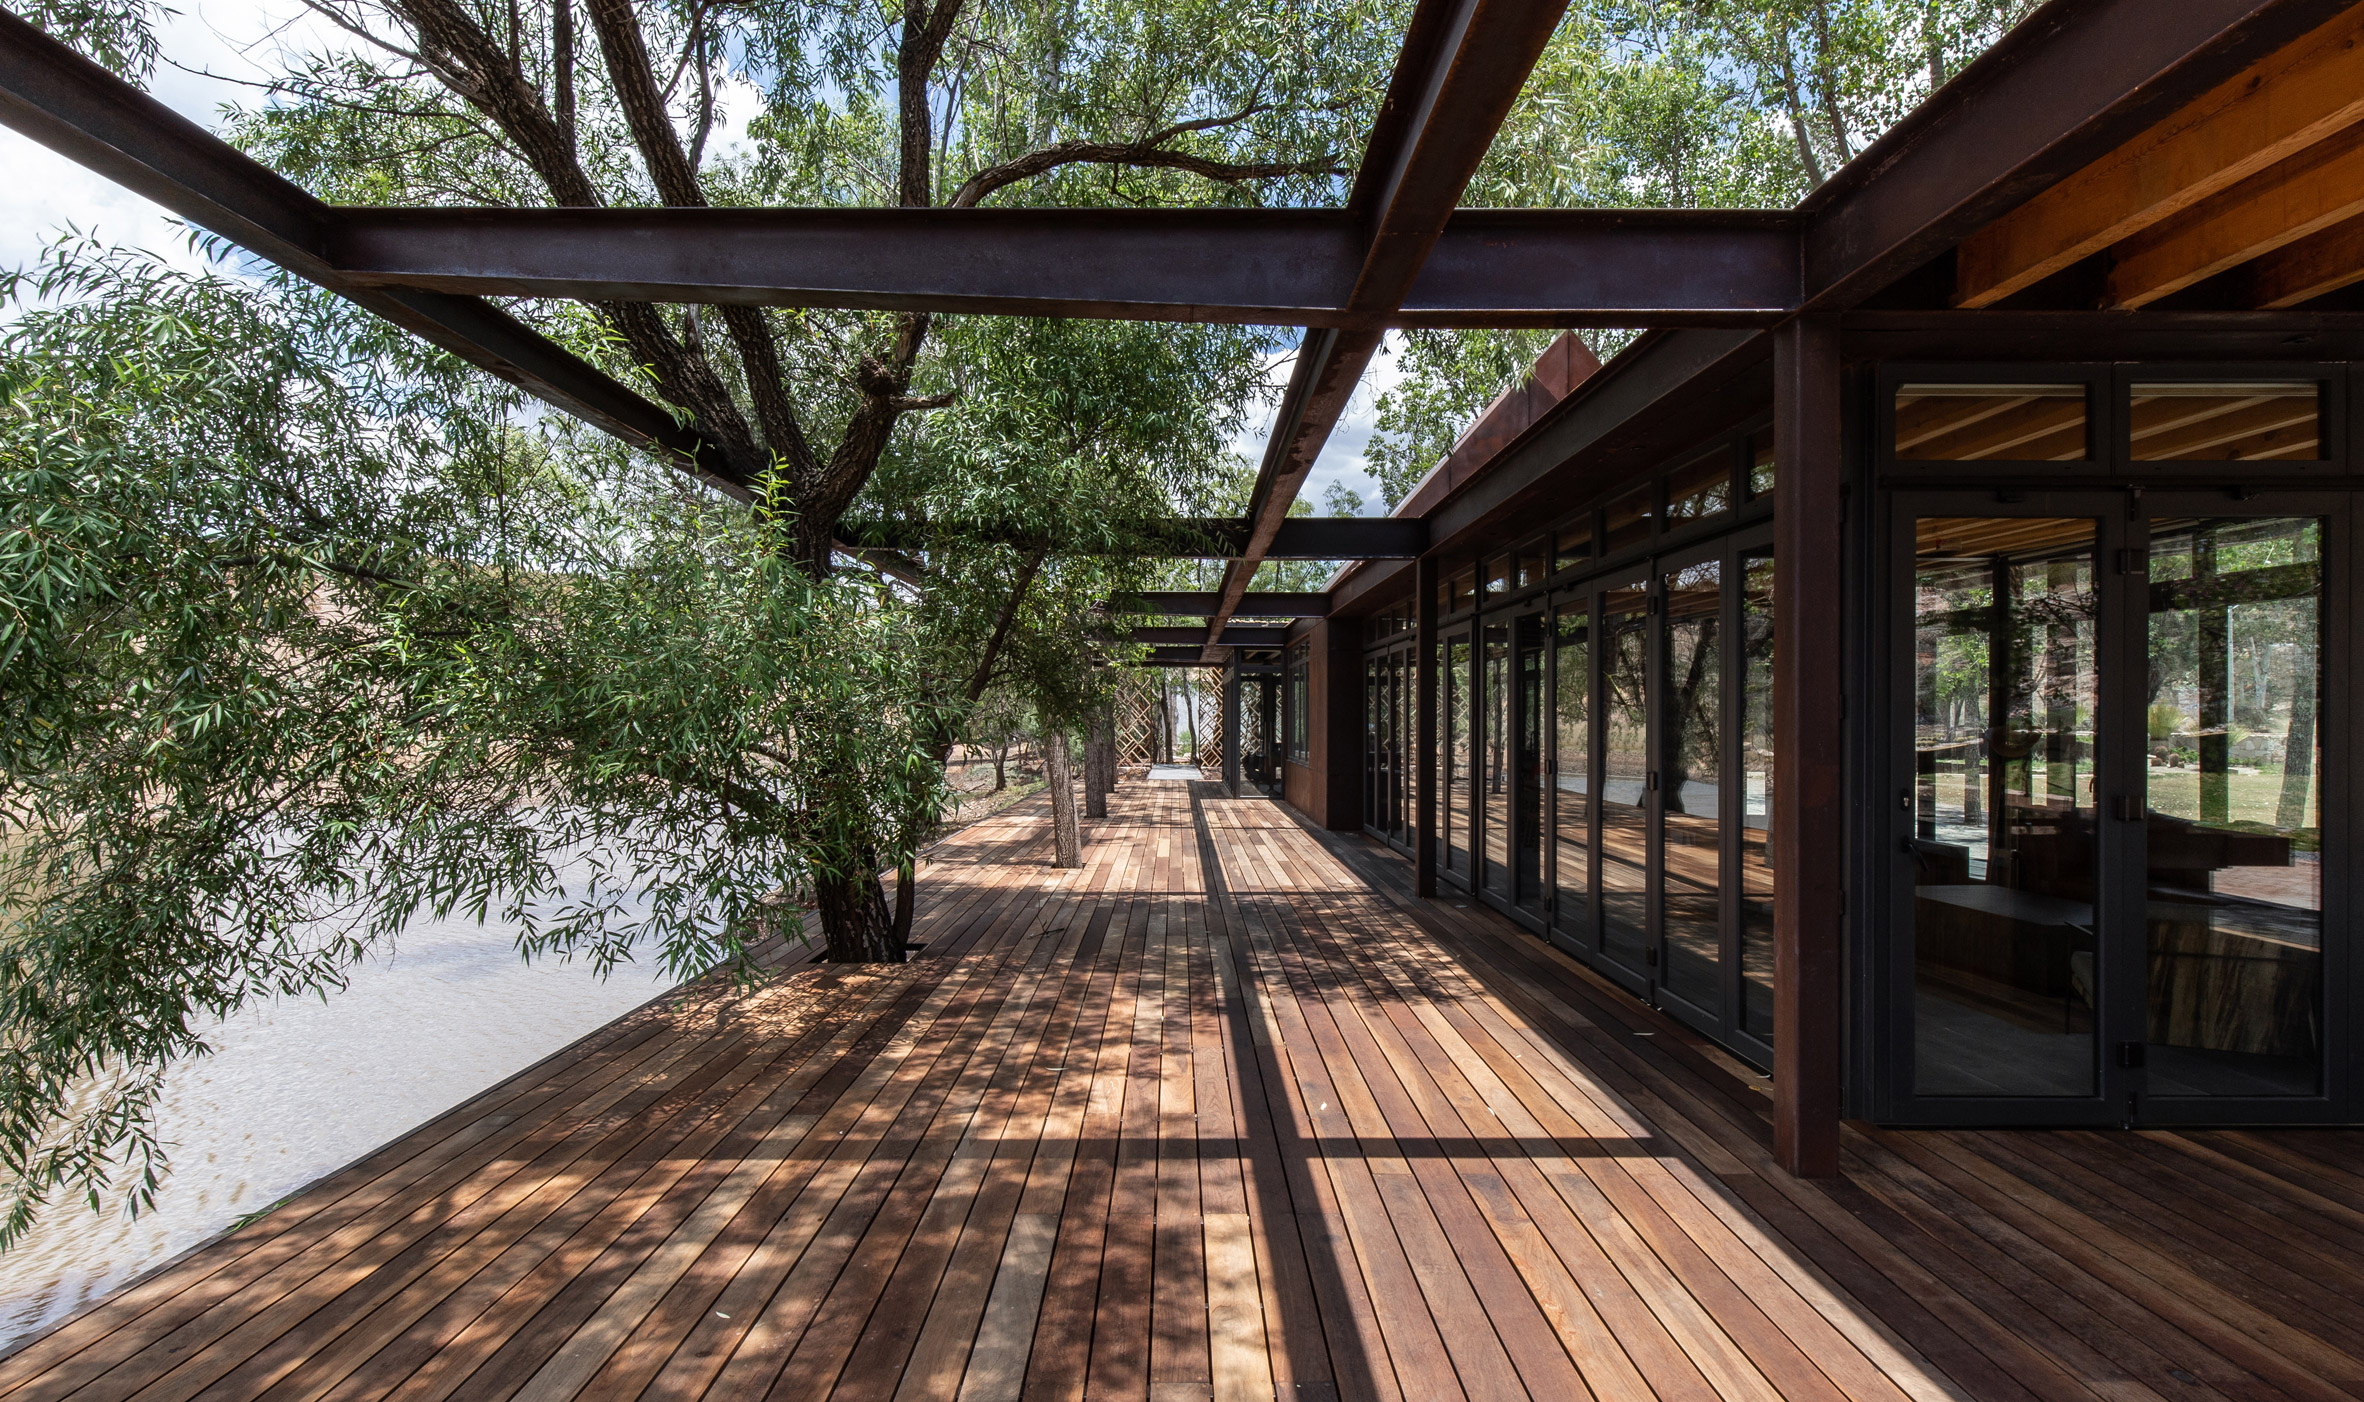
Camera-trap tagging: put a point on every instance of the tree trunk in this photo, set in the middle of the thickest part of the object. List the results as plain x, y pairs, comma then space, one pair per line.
1066, 835
906, 898
1095, 770
1001, 761
857, 926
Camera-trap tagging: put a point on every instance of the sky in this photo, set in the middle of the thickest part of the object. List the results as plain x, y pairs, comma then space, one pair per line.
213, 50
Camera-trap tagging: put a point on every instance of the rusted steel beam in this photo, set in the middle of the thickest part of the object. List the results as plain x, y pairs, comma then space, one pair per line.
1809, 784
1201, 604
1250, 266
1196, 637
1462, 65
1298, 538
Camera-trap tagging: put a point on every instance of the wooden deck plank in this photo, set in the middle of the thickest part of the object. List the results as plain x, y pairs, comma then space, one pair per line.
1230, 1113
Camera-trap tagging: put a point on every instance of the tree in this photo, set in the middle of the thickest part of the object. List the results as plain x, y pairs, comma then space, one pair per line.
300, 635
916, 104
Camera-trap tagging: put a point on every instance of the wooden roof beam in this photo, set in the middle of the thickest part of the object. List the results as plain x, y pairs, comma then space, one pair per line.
2302, 195
2279, 106
2321, 263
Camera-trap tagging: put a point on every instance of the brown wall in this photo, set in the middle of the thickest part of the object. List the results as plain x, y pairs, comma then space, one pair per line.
1329, 789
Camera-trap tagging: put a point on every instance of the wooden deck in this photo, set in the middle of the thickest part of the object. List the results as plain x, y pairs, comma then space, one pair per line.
1228, 1113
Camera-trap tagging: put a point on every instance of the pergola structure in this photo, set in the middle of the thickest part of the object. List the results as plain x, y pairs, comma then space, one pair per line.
2103, 184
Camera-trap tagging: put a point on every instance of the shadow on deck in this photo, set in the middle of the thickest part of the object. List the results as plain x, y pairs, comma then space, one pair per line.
1228, 1113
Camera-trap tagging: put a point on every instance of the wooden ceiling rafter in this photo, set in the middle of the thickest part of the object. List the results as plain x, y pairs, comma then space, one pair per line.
2300, 195
2311, 267
2280, 106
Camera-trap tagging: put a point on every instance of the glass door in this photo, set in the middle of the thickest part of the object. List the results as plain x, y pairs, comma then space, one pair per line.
2233, 777
2007, 897
1494, 739
1529, 760
1571, 776
2119, 772
1688, 781
1453, 742
1625, 856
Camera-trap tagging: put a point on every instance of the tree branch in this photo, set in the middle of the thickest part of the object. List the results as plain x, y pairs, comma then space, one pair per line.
1149, 152
982, 677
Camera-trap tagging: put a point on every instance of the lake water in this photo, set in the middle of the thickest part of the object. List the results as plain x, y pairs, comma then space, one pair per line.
299, 1089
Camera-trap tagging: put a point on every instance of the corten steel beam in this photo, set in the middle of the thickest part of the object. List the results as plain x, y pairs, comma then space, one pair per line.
1186, 603
1176, 657
1254, 266
2070, 83
78, 109
1297, 538
1462, 65
1809, 790
1234, 636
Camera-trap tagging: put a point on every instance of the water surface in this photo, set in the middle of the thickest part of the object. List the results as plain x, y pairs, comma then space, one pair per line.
299, 1088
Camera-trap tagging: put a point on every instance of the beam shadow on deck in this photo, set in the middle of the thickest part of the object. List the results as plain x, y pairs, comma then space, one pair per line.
1229, 1113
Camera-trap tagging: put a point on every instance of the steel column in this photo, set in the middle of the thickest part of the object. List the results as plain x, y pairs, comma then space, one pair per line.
1809, 811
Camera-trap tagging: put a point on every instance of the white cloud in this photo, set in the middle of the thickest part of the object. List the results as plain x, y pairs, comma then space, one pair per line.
213, 50
1343, 457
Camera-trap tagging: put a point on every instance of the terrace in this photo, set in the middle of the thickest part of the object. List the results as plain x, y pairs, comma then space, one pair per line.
1230, 1112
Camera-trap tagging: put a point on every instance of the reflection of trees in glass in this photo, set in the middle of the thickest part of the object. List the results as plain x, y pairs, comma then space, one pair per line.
1625, 667
2233, 662
1693, 734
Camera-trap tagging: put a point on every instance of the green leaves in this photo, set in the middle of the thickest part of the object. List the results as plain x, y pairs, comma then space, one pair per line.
302, 634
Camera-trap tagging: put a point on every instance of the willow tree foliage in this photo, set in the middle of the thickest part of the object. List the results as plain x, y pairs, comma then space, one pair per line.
301, 636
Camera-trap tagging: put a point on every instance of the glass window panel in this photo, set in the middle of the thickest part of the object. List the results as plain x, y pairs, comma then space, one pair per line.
1629, 520
1497, 576
1494, 737
2249, 422
1756, 793
1573, 546
2005, 732
1625, 775
1534, 564
1992, 423
1702, 488
1533, 706
1457, 755
1760, 463
1464, 590
1690, 784
2233, 809
1572, 786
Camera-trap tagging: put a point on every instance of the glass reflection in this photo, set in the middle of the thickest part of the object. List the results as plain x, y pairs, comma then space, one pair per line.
1691, 747
2233, 820
1495, 739
1456, 747
2247, 422
2008, 423
1572, 790
1625, 772
1527, 764
1756, 794
2006, 983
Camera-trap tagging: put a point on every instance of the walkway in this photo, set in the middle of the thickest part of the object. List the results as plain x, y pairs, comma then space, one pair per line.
1117, 1134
